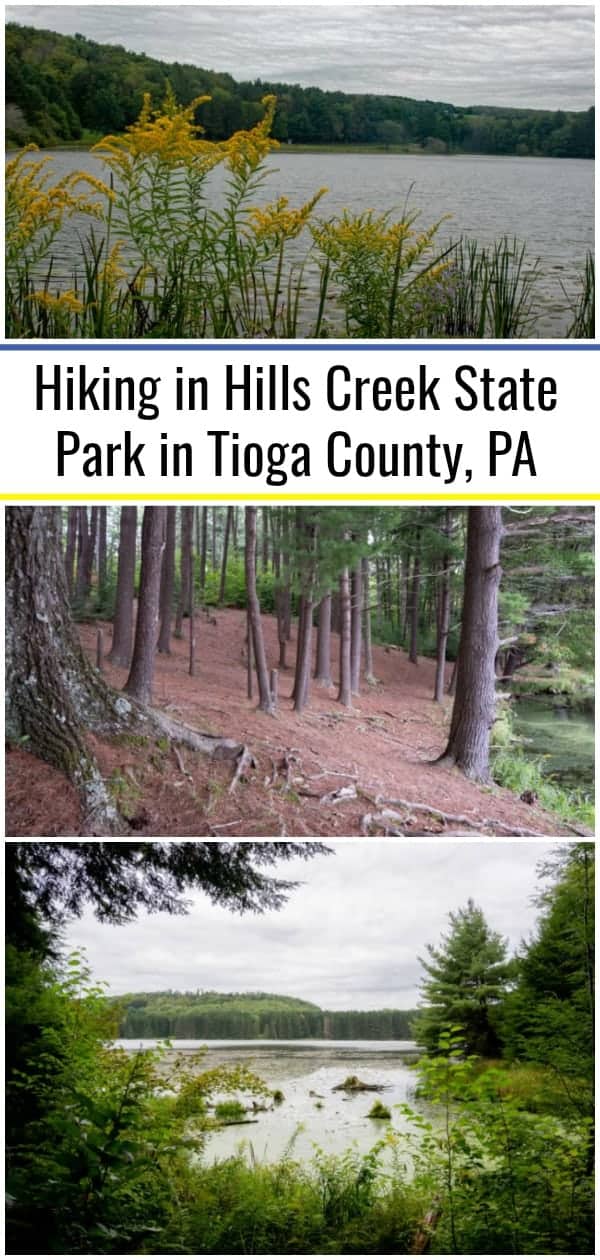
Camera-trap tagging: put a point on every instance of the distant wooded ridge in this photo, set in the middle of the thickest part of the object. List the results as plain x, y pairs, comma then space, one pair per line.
62, 89
213, 1015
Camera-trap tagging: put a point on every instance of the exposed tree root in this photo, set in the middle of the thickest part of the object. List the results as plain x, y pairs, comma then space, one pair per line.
390, 820
100, 813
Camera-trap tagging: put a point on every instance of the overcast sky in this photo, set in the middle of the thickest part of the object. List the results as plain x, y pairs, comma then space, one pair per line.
539, 56
349, 937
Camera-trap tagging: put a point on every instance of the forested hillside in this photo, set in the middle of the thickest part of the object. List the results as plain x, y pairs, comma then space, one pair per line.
63, 88
252, 1015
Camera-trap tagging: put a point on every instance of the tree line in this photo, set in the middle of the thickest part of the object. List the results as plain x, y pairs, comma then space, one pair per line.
429, 578
61, 88
239, 1015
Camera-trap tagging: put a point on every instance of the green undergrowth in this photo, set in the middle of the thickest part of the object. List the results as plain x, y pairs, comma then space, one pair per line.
512, 769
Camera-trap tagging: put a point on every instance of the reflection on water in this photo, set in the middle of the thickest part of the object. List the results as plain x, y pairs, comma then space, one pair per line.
560, 738
547, 202
312, 1114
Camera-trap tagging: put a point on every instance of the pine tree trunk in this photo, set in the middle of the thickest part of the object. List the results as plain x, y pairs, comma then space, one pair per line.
345, 691
203, 546
323, 667
72, 518
443, 618
167, 583
474, 706
53, 693
83, 547
213, 541
139, 682
262, 674
102, 552
192, 630
414, 608
265, 538
91, 549
228, 521
366, 588
54, 696
304, 656
185, 569
356, 628
120, 652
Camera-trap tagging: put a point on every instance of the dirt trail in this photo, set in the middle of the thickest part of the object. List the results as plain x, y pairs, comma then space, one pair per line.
382, 750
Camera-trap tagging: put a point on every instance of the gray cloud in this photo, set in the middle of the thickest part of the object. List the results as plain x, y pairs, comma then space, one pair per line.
350, 935
536, 56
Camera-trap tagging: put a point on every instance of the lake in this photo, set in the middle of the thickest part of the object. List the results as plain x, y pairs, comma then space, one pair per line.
546, 202
560, 738
311, 1114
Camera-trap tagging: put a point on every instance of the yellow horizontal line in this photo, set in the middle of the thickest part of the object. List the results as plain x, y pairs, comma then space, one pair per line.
261, 497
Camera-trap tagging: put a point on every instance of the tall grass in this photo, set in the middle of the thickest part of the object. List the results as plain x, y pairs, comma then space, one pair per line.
583, 305
489, 291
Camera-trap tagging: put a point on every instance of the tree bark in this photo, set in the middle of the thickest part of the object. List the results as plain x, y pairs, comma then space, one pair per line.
54, 696
83, 548
202, 549
139, 682
228, 523
262, 675
102, 552
53, 693
356, 628
185, 569
323, 667
265, 538
443, 618
366, 585
72, 518
167, 583
474, 705
345, 691
306, 531
303, 654
120, 652
414, 607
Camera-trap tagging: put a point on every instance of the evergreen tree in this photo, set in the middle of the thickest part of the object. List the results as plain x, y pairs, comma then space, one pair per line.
467, 978
549, 1017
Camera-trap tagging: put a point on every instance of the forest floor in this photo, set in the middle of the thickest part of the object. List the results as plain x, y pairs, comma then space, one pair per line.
322, 773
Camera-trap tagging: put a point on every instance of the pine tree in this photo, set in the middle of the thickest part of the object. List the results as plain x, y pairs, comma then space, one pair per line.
467, 978
550, 1015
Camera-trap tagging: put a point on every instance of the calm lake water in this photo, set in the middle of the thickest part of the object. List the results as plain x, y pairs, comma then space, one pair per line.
559, 738
547, 202
312, 1114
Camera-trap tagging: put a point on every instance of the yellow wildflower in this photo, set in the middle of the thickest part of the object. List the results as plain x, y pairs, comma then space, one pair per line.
57, 302
245, 150
277, 221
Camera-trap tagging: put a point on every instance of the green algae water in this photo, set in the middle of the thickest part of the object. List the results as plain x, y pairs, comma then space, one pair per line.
560, 739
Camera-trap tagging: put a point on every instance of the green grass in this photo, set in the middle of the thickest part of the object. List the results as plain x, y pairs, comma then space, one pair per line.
513, 770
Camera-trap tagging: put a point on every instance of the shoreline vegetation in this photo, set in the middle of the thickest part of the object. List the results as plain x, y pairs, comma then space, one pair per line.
157, 259
291, 148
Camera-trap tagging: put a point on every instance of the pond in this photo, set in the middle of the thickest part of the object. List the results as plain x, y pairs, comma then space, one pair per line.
312, 1113
546, 202
560, 738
